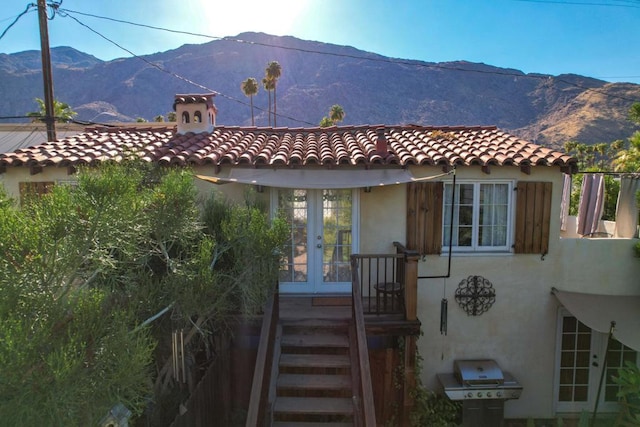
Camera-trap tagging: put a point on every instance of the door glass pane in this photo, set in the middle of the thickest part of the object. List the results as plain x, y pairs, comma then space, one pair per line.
336, 221
617, 355
574, 361
293, 205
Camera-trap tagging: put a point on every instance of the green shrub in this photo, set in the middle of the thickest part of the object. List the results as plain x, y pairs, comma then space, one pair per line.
433, 409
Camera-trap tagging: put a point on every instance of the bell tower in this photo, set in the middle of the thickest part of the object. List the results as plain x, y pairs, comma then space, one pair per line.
195, 113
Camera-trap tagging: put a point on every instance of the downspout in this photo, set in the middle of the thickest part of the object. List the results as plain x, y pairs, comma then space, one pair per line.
444, 303
453, 198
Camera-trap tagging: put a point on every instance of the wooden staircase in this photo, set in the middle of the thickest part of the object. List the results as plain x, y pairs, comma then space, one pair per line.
314, 381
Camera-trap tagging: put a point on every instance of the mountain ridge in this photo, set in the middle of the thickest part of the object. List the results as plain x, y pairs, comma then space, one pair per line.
371, 88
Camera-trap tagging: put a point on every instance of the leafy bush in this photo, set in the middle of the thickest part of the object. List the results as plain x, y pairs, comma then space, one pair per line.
88, 273
434, 410
628, 378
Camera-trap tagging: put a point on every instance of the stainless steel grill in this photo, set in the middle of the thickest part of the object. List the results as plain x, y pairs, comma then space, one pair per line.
483, 388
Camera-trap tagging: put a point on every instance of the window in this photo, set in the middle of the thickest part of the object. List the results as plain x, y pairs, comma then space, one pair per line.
197, 117
185, 117
480, 220
481, 216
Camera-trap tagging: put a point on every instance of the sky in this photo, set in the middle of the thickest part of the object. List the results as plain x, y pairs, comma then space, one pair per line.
595, 38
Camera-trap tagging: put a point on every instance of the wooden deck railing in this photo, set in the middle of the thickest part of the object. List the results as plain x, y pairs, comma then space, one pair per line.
388, 283
364, 407
262, 397
380, 282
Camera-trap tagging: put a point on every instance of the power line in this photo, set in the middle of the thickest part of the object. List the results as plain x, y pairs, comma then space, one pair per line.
375, 58
30, 8
633, 5
65, 13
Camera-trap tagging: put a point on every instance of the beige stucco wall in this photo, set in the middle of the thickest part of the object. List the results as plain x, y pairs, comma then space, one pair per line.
231, 191
12, 178
382, 219
519, 330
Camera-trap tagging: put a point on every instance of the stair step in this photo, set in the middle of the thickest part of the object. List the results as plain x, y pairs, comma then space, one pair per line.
314, 382
313, 406
314, 361
309, 424
315, 340
315, 324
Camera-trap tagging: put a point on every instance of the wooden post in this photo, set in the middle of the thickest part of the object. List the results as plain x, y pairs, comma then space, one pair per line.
49, 116
411, 285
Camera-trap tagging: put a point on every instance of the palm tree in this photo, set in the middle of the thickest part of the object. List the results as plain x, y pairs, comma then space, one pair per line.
336, 114
326, 122
62, 112
159, 118
273, 73
634, 113
268, 85
250, 88
628, 160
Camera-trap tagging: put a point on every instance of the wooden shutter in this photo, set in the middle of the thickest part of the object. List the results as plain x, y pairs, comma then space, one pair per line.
424, 217
31, 189
533, 217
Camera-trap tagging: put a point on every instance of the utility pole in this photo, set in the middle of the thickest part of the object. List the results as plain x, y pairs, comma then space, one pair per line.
49, 118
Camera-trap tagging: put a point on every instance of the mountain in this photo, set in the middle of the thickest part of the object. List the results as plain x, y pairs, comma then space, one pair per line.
371, 88
30, 61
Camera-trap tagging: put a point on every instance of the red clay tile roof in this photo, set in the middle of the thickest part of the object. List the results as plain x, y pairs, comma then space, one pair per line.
206, 98
251, 146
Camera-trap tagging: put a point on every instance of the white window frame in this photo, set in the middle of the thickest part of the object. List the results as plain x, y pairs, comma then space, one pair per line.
475, 246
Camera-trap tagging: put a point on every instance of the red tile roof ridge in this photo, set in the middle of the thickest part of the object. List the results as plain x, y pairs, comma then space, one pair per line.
406, 144
128, 129
340, 128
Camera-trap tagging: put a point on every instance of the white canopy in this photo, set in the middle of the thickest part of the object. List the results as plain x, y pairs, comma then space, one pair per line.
598, 311
315, 178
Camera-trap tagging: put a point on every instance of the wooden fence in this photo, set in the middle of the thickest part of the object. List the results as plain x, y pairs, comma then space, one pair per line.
210, 402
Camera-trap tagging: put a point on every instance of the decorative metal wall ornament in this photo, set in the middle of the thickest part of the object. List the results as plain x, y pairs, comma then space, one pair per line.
475, 295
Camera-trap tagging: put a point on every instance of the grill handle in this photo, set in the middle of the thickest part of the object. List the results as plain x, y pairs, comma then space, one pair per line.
484, 384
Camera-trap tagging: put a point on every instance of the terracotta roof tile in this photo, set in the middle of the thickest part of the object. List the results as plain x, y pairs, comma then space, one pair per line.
344, 145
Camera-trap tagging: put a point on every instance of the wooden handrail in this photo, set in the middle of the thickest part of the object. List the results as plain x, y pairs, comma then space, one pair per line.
364, 407
259, 413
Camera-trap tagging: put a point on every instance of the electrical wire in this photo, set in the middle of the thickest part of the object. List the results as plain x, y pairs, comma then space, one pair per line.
30, 8
65, 13
68, 12
376, 58
578, 3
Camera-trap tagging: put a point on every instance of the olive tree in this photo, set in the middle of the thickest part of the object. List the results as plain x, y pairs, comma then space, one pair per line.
89, 272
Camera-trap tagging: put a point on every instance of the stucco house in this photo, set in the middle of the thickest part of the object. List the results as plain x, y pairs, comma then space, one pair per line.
497, 277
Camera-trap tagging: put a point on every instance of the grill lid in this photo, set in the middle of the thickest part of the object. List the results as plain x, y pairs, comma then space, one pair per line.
475, 373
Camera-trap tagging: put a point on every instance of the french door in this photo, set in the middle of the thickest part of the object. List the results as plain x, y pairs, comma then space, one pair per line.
581, 359
321, 239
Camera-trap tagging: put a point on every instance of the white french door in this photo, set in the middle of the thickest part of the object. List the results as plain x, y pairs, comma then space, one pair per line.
322, 238
581, 358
